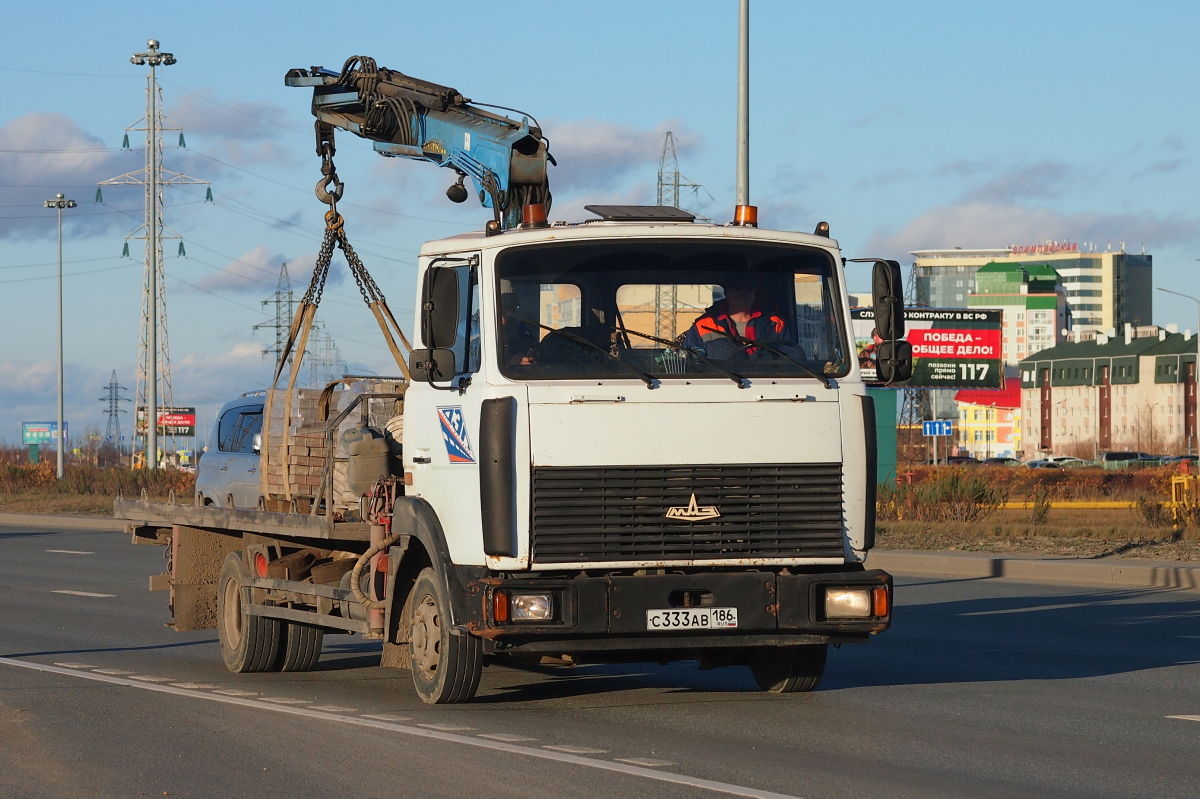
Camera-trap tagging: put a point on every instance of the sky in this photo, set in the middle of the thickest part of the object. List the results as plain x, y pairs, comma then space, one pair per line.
905, 126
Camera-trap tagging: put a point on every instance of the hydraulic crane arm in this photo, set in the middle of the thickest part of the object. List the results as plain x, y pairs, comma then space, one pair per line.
410, 118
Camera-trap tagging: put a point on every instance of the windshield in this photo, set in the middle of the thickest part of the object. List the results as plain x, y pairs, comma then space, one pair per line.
679, 308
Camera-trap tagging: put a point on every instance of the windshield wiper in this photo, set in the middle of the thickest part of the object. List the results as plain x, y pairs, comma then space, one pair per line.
734, 376
643, 376
825, 381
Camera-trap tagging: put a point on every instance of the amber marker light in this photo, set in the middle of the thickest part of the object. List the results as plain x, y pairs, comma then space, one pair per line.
879, 603
260, 564
500, 606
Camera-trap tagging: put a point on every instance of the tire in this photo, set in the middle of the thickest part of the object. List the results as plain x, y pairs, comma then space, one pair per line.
248, 643
790, 669
445, 667
299, 647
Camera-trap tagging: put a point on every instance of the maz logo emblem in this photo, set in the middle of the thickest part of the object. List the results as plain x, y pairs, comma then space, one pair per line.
693, 512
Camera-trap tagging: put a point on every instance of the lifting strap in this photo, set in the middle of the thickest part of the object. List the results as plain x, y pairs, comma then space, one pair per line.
329, 191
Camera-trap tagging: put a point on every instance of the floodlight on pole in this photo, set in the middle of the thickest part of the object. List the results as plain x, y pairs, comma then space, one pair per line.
59, 203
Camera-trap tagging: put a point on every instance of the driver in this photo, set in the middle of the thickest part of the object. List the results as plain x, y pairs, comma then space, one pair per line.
739, 314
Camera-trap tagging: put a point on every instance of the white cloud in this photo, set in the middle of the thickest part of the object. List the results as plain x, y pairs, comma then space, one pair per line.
597, 155
200, 112
43, 154
257, 272
991, 224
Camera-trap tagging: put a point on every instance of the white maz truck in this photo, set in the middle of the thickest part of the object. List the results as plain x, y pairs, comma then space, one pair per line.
638, 438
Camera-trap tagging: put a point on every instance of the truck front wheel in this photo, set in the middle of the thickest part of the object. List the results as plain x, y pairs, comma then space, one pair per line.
790, 669
248, 643
445, 666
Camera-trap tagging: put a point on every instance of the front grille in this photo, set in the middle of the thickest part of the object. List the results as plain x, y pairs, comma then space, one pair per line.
618, 513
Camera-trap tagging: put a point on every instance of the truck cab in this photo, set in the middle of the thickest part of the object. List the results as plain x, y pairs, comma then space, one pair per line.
620, 425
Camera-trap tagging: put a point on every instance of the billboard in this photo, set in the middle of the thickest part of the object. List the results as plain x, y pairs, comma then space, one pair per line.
171, 421
42, 432
952, 347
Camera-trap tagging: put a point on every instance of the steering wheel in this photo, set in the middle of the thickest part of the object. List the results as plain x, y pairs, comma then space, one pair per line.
790, 347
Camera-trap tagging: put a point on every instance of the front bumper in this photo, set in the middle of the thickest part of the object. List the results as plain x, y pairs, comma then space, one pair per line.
608, 613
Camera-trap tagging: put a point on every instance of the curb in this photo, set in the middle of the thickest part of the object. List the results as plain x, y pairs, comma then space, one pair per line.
64, 522
1114, 572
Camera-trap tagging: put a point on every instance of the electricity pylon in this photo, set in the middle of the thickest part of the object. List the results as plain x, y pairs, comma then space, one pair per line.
112, 396
154, 360
284, 304
670, 182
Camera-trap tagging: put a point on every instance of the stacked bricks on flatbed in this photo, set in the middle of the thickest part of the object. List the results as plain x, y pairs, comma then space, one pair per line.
308, 451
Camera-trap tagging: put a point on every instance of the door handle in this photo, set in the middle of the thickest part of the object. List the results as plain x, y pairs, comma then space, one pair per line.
252, 469
223, 469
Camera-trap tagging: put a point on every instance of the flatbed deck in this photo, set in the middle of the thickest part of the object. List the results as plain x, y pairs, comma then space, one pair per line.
300, 525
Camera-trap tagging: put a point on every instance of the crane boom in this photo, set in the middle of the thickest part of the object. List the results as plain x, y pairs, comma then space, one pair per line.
410, 118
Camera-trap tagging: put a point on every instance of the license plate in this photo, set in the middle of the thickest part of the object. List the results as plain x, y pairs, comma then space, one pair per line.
691, 619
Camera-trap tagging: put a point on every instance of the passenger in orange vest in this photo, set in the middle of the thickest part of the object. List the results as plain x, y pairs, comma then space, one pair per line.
740, 314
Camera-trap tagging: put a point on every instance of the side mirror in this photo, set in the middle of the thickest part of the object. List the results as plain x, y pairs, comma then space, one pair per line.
894, 364
887, 287
895, 355
257, 445
439, 308
432, 366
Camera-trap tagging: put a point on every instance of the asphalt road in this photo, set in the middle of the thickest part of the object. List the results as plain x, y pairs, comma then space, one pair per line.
983, 688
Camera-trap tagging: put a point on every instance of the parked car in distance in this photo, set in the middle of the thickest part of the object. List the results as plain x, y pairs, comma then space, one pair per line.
1126, 459
1173, 460
961, 460
1058, 462
228, 473
1001, 462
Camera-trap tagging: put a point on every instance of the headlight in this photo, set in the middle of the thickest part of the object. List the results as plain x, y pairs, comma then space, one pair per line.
847, 603
531, 607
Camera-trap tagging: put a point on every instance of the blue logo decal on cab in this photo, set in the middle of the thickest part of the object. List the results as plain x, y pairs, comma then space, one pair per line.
454, 433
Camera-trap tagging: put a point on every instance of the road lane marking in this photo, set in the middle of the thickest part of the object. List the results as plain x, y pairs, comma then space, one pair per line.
446, 727
1185, 718
1187, 636
577, 750
75, 665
333, 709
283, 700
192, 685
510, 739
80, 593
148, 678
112, 672
70, 552
419, 732
386, 717
235, 692
643, 761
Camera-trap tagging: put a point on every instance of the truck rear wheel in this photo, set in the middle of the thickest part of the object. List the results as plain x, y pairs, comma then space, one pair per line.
790, 669
248, 643
445, 667
299, 646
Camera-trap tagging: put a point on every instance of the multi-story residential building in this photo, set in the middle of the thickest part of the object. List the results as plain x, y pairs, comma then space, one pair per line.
1104, 290
1035, 308
1136, 391
989, 422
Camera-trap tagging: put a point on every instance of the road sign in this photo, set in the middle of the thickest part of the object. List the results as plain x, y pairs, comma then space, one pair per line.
937, 428
41, 432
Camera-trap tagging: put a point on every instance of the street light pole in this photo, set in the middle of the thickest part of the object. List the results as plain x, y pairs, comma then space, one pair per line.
59, 203
1188, 297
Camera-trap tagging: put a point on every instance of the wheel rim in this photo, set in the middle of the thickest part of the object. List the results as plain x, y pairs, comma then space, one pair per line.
426, 637
231, 618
